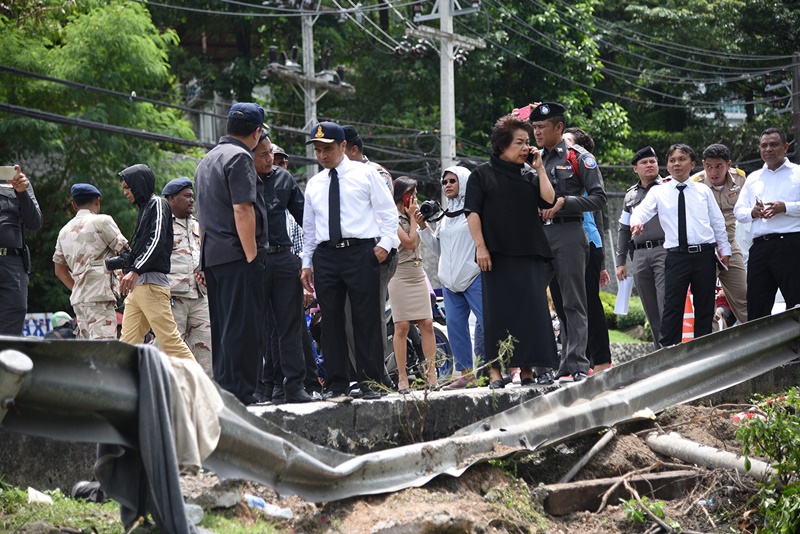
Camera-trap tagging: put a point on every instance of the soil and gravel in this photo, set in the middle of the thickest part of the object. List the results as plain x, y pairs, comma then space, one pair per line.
505, 496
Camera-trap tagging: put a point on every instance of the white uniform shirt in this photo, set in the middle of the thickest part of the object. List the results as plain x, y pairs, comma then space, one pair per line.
704, 220
782, 184
366, 207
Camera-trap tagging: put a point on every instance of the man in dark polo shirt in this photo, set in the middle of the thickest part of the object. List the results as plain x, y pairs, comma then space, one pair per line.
233, 223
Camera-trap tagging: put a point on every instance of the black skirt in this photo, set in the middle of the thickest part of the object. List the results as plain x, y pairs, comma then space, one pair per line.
515, 303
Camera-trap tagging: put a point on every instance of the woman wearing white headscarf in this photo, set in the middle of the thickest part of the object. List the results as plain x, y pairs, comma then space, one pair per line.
459, 274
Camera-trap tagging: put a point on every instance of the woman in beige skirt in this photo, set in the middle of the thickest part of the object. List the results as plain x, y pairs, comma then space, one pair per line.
408, 288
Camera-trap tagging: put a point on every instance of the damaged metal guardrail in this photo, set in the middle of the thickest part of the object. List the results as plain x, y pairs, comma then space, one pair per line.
86, 391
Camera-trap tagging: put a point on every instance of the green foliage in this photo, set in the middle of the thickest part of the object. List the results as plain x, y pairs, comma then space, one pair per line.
16, 512
634, 511
635, 316
83, 42
615, 336
520, 508
777, 436
609, 300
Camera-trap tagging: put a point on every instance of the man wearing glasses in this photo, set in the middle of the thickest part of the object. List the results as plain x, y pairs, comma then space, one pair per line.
233, 223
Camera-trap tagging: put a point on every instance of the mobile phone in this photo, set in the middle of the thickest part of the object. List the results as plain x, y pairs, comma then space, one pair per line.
6, 175
759, 202
524, 113
407, 199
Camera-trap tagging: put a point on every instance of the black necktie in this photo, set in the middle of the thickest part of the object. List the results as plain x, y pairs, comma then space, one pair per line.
683, 239
334, 209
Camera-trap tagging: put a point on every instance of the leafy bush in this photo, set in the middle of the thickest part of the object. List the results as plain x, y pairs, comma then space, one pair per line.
635, 317
609, 300
775, 433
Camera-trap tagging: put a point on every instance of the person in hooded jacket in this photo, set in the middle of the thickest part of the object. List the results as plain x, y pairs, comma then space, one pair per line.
146, 286
459, 274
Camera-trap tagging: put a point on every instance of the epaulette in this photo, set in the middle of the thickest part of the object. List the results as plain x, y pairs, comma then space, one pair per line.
633, 187
697, 177
740, 172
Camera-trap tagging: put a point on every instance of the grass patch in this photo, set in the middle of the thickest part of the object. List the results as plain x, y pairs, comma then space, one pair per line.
615, 336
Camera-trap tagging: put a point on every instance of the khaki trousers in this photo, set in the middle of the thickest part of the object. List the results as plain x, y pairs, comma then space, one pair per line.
148, 307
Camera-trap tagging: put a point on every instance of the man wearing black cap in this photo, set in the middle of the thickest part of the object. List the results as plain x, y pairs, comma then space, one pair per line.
579, 188
350, 226
145, 284
186, 282
82, 246
647, 250
233, 223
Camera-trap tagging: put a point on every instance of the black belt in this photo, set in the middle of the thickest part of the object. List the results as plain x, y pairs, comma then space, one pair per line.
562, 220
694, 249
348, 242
767, 237
10, 251
272, 249
647, 244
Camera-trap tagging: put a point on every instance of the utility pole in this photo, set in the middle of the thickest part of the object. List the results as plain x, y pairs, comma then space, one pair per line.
444, 10
307, 81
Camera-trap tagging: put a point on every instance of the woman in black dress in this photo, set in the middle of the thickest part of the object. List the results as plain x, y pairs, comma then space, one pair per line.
503, 201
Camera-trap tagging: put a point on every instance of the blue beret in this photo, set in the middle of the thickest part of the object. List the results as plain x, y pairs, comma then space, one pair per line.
327, 132
86, 190
247, 111
176, 186
546, 110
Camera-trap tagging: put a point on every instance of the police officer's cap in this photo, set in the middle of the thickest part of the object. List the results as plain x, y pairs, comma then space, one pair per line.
547, 110
85, 190
350, 133
176, 186
326, 132
646, 152
248, 112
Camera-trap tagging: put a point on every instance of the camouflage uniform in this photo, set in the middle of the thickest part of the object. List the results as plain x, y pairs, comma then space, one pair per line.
83, 245
189, 302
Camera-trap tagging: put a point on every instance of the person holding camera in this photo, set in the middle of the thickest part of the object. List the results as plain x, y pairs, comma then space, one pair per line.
512, 250
145, 284
458, 272
18, 209
83, 245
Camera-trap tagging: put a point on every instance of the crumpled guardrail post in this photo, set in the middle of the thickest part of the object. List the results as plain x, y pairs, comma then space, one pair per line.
90, 386
14, 369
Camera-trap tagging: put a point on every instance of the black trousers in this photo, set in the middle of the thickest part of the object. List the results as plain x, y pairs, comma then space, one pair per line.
13, 295
283, 294
772, 265
349, 272
236, 308
681, 271
597, 349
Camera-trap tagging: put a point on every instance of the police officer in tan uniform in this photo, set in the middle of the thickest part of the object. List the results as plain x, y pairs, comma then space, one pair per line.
647, 250
186, 282
725, 184
81, 249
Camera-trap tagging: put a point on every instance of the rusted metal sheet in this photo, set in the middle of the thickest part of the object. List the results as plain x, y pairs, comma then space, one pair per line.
86, 391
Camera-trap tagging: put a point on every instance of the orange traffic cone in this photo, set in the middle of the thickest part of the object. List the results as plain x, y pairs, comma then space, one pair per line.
688, 319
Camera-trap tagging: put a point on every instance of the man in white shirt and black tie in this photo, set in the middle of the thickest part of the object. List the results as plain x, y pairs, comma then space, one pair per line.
349, 227
693, 228
770, 199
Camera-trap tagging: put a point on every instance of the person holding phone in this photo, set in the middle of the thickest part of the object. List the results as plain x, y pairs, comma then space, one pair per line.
18, 210
502, 202
408, 289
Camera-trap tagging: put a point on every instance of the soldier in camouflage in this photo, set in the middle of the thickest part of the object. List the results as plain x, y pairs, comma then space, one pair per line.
186, 283
82, 246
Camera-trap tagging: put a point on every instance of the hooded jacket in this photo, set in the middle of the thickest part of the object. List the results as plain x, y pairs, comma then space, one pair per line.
152, 239
452, 242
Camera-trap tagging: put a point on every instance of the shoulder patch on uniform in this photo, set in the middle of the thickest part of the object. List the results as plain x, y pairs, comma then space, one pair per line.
740, 172
589, 161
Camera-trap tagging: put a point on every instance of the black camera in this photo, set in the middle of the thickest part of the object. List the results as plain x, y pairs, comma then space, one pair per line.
123, 261
430, 209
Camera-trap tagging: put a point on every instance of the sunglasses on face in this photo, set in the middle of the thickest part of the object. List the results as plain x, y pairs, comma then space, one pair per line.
450, 181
